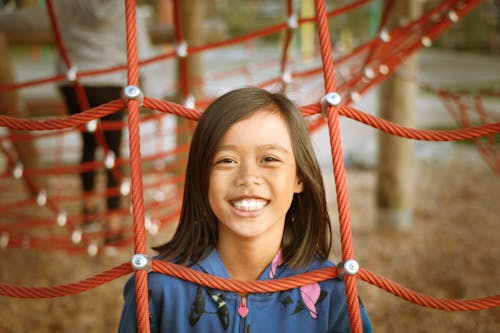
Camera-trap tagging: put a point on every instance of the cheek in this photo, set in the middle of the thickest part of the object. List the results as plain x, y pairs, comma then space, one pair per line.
215, 189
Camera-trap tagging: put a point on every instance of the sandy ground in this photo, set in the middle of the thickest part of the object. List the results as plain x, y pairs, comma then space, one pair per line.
451, 252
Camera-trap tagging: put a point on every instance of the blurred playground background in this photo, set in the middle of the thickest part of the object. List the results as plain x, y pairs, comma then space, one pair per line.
450, 250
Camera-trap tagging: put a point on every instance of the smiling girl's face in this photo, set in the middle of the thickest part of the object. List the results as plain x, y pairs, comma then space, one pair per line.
253, 178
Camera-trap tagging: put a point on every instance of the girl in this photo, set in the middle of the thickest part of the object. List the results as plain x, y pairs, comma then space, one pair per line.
254, 208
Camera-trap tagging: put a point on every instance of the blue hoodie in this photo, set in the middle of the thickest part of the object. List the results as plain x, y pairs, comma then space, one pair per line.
178, 306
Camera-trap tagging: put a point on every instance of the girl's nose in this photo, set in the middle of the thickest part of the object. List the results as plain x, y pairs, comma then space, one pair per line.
248, 174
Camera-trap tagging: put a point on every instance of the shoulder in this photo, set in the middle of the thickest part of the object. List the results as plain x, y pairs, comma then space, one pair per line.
333, 286
157, 283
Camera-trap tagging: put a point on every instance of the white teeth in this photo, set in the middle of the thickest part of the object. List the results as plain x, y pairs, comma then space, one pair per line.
249, 204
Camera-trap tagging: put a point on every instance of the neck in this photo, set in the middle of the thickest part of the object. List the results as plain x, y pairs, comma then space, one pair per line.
245, 260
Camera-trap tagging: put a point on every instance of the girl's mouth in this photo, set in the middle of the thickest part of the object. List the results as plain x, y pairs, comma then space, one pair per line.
249, 204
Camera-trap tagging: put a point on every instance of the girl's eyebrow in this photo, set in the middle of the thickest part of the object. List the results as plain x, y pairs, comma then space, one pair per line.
274, 146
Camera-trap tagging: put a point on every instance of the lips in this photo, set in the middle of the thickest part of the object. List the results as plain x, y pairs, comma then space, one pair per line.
249, 204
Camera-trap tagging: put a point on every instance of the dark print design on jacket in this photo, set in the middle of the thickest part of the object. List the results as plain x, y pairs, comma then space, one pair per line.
311, 294
198, 307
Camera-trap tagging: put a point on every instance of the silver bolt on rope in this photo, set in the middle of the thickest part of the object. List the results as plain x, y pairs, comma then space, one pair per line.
91, 126
384, 35
62, 218
182, 49
41, 198
147, 220
125, 187
159, 196
426, 41
110, 159
76, 236
453, 16
355, 96
368, 73
141, 261
92, 249
330, 99
190, 102
153, 228
4, 239
71, 74
292, 21
133, 92
349, 267
383, 69
150, 225
18, 171
286, 77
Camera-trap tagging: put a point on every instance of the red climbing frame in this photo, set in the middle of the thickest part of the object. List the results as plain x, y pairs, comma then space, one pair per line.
384, 55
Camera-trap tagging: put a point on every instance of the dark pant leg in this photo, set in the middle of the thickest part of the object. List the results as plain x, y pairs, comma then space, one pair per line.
89, 143
97, 96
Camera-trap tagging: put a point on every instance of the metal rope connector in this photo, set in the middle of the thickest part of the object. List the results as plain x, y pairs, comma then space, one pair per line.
384, 35
426, 41
41, 198
292, 21
110, 160
91, 126
141, 262
286, 77
182, 49
62, 218
330, 99
18, 170
71, 74
133, 92
189, 102
4, 239
349, 267
453, 16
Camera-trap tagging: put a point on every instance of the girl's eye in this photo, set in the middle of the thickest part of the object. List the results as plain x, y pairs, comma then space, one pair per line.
226, 160
270, 159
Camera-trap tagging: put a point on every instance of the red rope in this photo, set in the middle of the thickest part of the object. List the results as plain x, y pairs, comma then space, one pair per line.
338, 165
428, 301
266, 286
135, 168
69, 289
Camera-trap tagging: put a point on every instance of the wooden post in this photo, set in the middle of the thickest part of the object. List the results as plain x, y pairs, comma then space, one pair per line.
192, 14
395, 179
307, 32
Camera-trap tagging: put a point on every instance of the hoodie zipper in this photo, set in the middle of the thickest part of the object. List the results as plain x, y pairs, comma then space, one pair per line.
243, 312
243, 308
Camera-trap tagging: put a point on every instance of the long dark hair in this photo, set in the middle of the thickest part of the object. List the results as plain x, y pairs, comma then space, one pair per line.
307, 231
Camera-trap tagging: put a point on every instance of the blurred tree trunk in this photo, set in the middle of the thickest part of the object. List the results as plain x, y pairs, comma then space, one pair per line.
11, 105
395, 179
192, 13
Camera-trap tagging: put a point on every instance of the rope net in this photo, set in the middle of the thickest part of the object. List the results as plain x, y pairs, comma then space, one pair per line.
155, 199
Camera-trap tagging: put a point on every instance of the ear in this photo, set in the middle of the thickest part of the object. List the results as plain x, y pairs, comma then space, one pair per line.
299, 186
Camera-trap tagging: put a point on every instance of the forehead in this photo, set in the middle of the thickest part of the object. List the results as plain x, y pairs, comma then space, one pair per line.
266, 124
